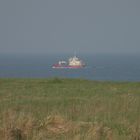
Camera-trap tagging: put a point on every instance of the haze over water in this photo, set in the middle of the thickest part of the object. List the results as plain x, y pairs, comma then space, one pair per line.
116, 67
32, 29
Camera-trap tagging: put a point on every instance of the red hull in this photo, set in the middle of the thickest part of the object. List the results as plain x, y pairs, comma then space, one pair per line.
66, 67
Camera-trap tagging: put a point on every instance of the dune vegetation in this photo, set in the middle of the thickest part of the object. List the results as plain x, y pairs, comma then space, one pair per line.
69, 109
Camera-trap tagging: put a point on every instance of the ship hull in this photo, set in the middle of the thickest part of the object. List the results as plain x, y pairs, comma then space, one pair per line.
67, 67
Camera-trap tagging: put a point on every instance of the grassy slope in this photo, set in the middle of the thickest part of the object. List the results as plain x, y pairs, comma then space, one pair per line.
86, 109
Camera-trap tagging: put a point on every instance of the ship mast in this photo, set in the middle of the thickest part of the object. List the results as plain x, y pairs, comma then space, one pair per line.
75, 54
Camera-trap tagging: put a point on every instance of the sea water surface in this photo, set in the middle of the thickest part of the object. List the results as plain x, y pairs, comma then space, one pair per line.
114, 67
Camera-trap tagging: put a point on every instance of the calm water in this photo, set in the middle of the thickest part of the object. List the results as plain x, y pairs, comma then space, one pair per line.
99, 67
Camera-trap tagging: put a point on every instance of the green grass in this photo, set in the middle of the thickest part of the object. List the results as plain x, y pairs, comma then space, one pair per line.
69, 109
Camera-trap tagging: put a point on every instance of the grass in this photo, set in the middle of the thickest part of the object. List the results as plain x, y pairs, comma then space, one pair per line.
69, 109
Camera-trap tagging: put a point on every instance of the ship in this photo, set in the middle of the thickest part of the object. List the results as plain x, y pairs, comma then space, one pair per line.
73, 63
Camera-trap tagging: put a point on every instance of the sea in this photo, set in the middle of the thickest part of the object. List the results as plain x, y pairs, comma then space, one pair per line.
99, 67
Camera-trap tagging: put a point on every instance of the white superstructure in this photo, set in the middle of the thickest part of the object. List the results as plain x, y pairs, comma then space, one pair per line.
74, 61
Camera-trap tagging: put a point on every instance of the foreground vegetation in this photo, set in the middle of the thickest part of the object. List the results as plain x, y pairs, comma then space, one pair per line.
68, 109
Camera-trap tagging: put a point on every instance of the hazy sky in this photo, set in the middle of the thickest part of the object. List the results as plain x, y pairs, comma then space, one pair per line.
50, 26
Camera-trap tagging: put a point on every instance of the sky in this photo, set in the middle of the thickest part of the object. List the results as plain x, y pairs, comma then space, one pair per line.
66, 26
